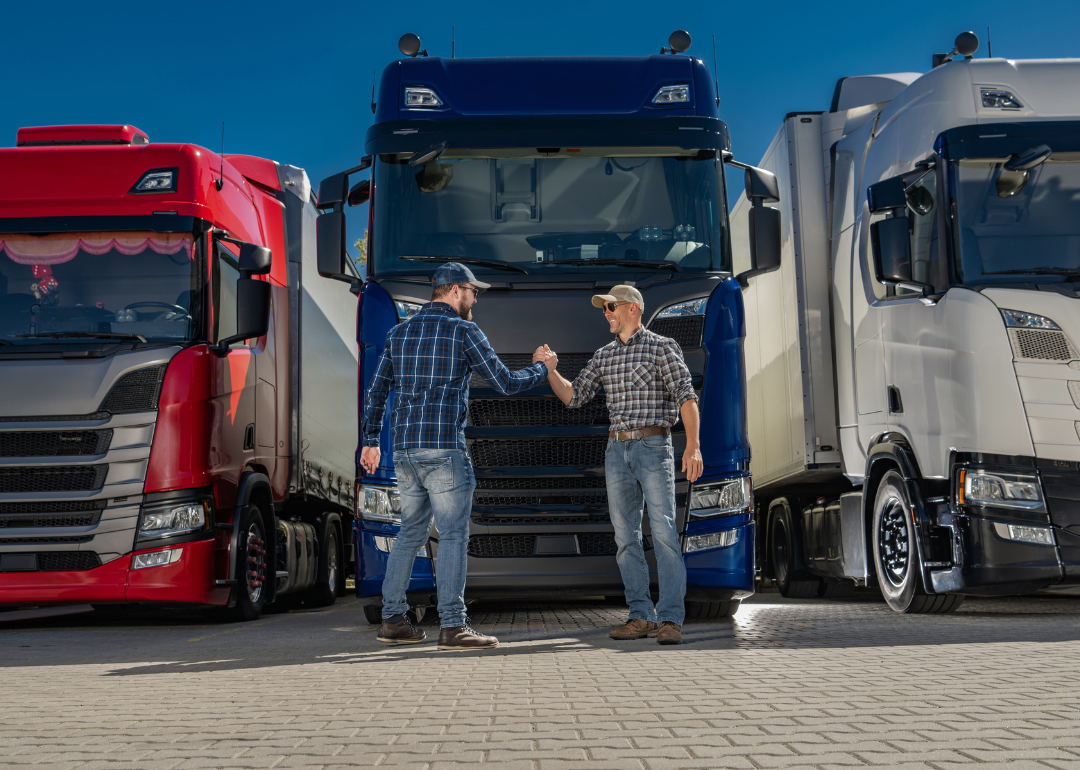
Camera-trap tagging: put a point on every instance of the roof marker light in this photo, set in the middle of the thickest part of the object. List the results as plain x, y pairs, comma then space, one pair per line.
421, 98
999, 99
672, 94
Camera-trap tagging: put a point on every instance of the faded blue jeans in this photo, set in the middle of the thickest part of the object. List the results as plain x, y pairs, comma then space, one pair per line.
439, 484
643, 471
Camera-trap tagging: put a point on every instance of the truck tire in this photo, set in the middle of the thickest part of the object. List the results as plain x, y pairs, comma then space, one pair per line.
710, 610
250, 566
325, 591
783, 548
896, 554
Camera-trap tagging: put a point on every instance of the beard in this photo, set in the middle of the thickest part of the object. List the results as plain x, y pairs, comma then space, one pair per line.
464, 312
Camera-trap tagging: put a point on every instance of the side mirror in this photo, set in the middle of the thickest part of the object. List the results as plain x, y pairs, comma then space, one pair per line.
886, 195
254, 260
252, 313
891, 245
761, 186
330, 236
360, 193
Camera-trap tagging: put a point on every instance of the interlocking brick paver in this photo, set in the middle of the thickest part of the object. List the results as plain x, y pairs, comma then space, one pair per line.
813, 684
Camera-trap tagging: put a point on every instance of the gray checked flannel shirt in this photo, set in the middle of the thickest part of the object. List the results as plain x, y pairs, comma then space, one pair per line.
645, 378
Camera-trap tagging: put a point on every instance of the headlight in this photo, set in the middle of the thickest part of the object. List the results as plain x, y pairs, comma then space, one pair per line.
1000, 99
672, 95
1022, 320
174, 519
421, 97
683, 309
723, 499
380, 504
1001, 490
386, 545
406, 310
1024, 533
711, 540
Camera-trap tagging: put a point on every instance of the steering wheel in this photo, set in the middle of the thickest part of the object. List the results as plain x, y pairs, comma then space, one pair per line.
175, 311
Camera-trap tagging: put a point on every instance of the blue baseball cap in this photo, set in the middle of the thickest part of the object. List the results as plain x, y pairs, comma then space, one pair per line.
455, 272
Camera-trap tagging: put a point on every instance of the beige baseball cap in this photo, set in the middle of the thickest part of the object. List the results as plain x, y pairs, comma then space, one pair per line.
620, 293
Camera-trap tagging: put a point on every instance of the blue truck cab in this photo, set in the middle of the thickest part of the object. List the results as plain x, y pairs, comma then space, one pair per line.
555, 179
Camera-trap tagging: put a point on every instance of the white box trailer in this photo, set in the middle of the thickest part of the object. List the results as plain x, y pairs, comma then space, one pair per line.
913, 368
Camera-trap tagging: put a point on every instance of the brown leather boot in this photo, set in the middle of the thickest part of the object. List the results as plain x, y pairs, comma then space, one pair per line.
465, 638
635, 628
669, 633
400, 630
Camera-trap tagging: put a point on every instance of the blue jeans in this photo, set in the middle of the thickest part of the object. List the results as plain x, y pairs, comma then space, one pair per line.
439, 484
643, 471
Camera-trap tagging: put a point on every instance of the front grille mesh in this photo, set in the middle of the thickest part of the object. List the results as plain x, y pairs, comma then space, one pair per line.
570, 365
539, 453
137, 391
685, 330
62, 478
544, 520
502, 546
541, 482
511, 546
1041, 345
54, 443
535, 412
541, 497
46, 540
60, 562
51, 514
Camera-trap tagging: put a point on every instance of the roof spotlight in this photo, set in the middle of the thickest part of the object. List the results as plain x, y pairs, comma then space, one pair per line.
409, 44
679, 42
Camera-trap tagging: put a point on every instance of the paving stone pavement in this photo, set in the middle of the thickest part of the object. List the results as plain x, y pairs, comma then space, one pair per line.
786, 684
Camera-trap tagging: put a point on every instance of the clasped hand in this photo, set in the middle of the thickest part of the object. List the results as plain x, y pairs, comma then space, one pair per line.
547, 356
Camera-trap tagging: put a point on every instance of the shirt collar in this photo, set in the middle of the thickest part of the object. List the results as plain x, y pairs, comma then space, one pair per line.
635, 337
438, 307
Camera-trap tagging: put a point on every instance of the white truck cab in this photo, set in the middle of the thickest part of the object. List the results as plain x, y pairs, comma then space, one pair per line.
914, 366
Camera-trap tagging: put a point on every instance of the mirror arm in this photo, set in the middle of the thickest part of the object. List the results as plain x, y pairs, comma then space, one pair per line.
222, 348
744, 277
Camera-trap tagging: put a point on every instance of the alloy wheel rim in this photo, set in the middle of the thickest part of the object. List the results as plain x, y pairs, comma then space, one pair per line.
331, 572
893, 541
256, 562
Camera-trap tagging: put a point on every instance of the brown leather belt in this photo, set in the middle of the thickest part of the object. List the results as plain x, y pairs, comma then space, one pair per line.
634, 435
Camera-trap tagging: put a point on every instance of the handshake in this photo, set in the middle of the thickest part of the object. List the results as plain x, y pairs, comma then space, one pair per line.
547, 356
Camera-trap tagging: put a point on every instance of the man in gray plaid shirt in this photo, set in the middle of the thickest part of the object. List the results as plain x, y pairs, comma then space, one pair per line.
648, 389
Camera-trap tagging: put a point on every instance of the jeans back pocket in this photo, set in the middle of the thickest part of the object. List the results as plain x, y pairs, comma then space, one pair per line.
436, 475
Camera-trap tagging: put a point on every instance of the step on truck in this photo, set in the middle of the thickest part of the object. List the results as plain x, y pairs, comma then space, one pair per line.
555, 179
179, 385
914, 365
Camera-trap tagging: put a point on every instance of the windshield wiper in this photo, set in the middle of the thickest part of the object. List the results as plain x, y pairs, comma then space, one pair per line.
1064, 271
621, 263
103, 335
471, 261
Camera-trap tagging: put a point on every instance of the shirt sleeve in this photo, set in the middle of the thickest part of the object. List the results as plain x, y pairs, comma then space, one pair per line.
675, 375
486, 363
375, 403
586, 383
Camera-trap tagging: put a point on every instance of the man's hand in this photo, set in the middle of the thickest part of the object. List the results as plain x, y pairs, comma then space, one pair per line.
550, 359
692, 464
369, 458
539, 354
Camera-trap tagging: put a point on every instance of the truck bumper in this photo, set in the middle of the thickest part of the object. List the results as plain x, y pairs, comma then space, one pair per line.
187, 580
722, 573
994, 566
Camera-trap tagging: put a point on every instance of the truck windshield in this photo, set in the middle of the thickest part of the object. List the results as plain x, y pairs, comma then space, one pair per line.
631, 209
126, 285
1018, 226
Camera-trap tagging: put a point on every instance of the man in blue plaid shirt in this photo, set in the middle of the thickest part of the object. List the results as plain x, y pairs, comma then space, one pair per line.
428, 361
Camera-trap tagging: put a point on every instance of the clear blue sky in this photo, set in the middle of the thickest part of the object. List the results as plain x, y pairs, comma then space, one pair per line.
292, 80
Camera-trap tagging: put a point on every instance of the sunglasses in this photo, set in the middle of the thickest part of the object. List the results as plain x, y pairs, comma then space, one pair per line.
610, 306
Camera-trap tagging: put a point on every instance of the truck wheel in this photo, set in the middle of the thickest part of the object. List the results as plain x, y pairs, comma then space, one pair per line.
250, 566
896, 554
838, 589
782, 550
325, 591
709, 610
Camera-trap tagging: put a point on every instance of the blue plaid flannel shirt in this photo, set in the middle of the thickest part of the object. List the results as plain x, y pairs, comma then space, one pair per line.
427, 362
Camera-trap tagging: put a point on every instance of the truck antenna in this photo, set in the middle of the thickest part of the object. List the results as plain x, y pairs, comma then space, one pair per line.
221, 172
373, 92
989, 44
716, 80
453, 37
